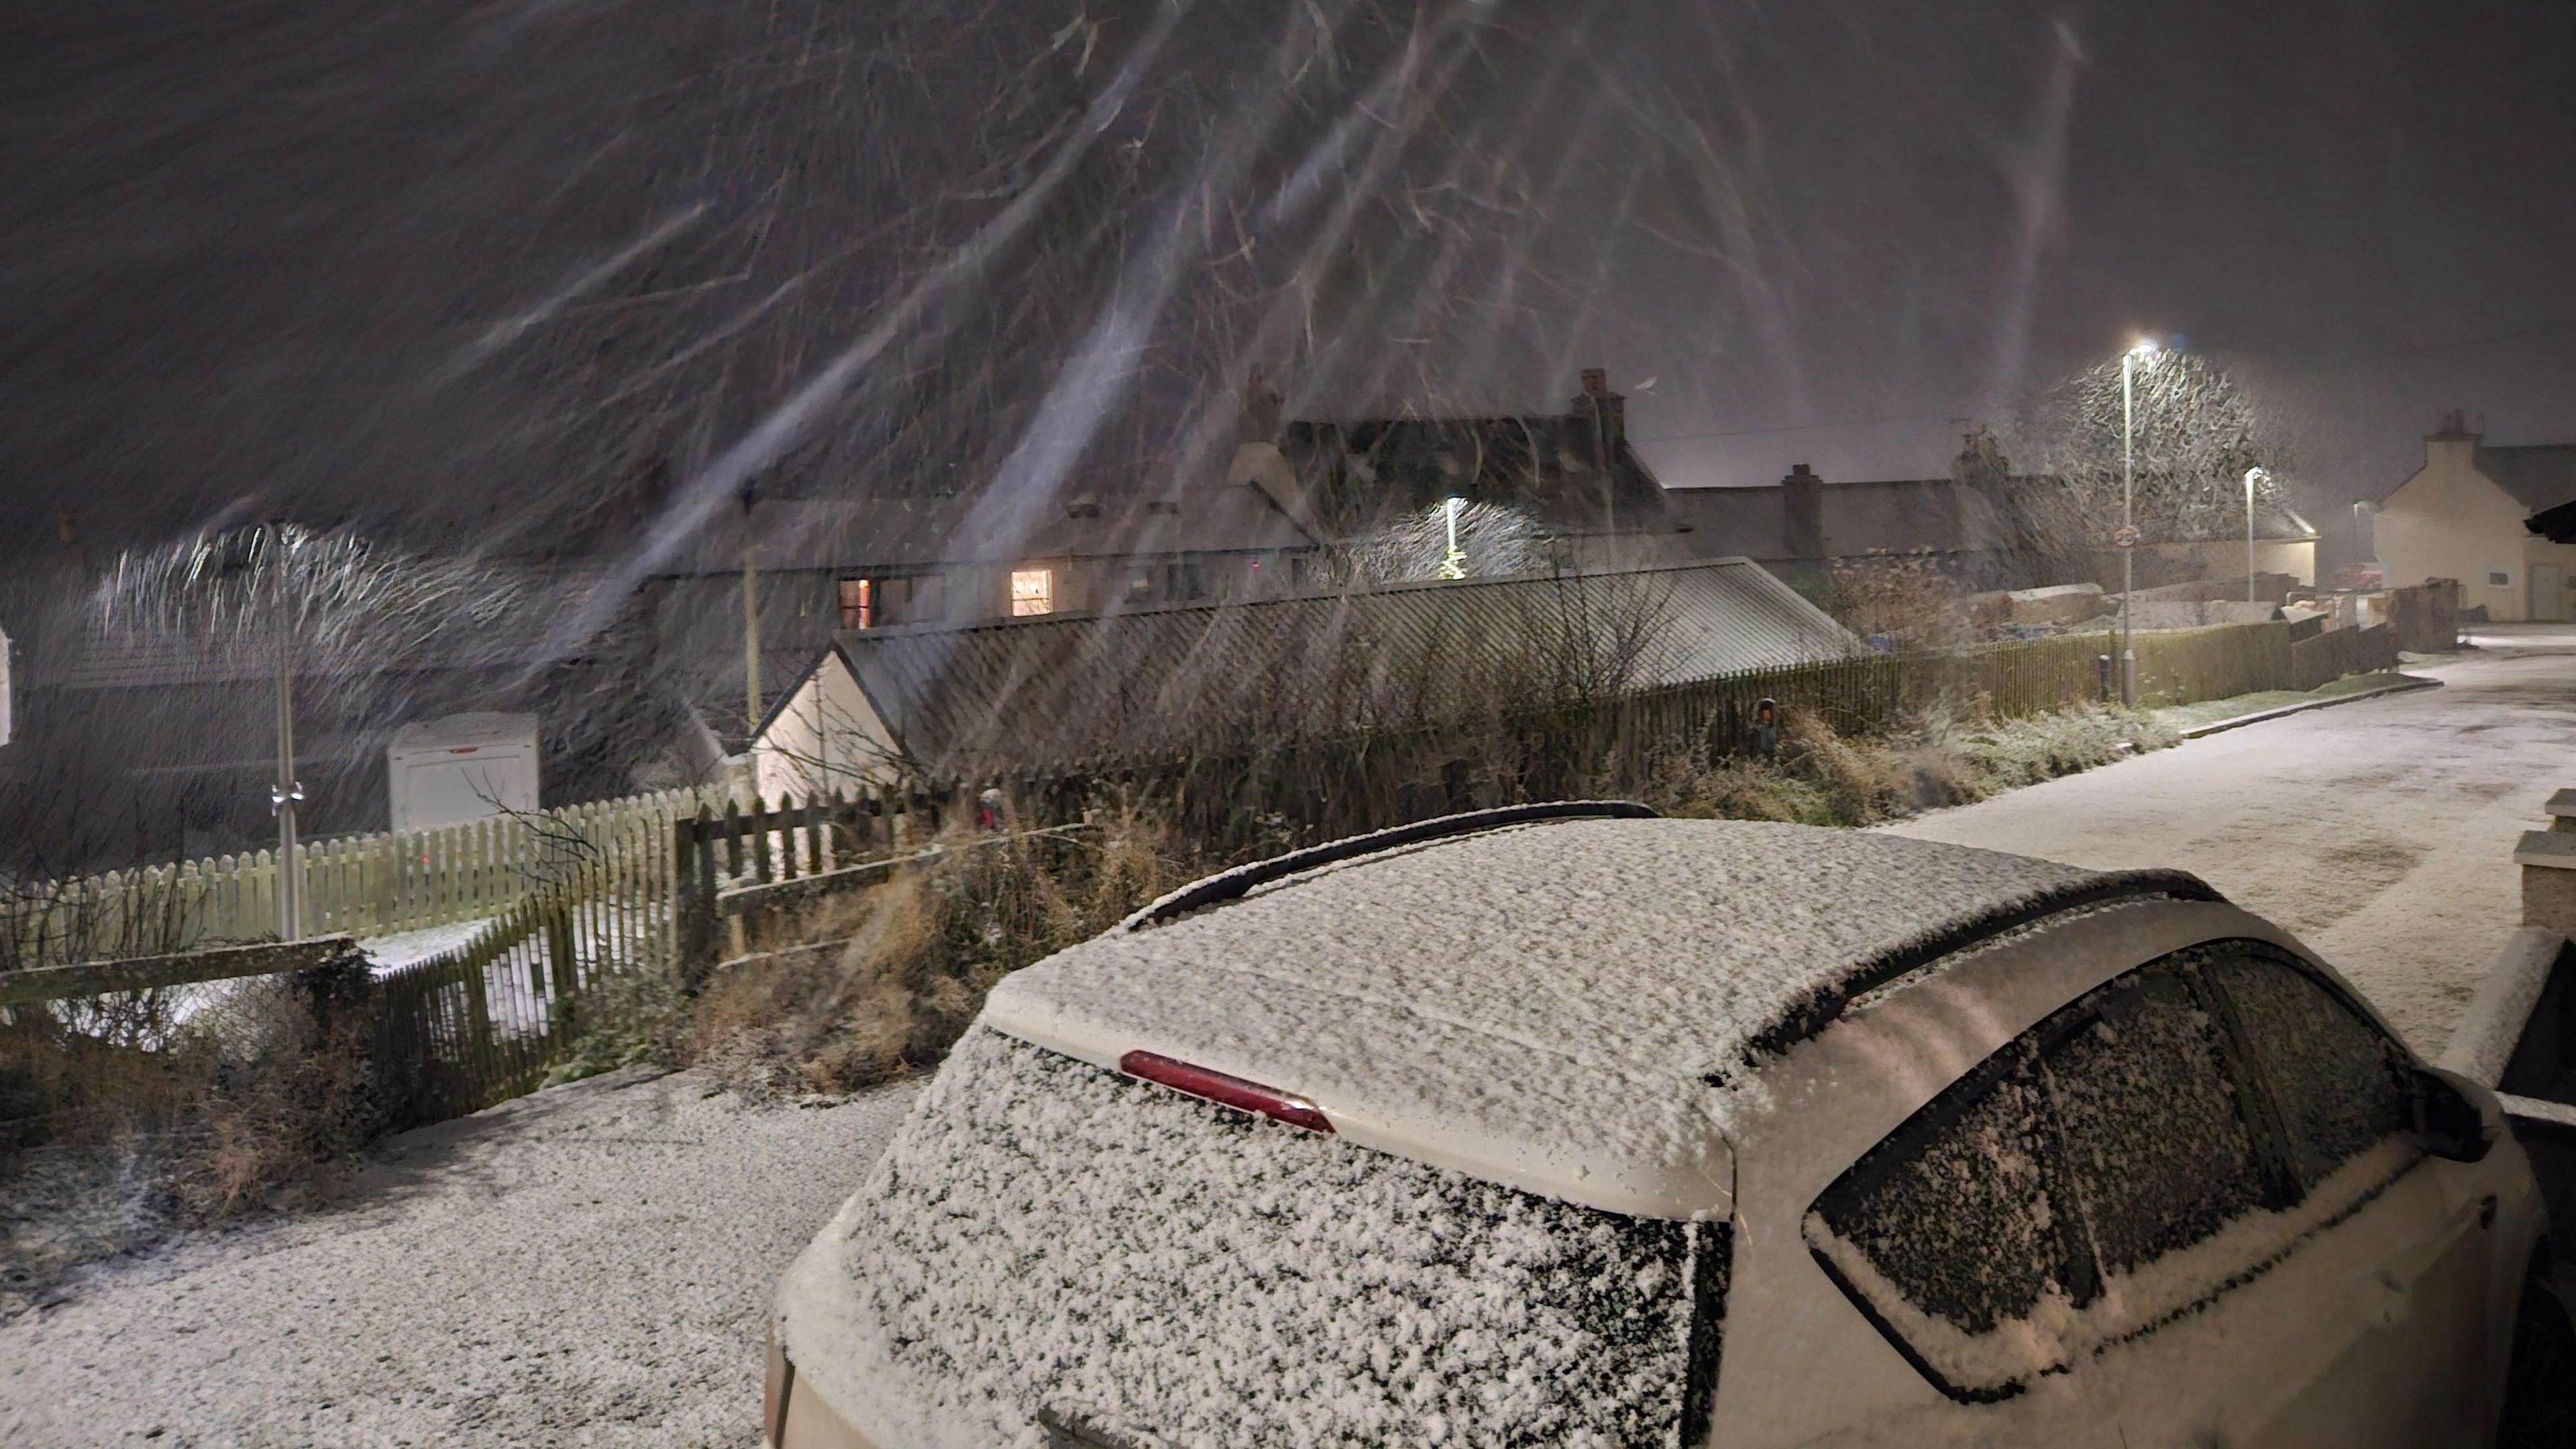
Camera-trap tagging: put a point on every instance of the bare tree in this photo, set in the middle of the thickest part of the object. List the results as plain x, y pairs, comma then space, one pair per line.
2195, 430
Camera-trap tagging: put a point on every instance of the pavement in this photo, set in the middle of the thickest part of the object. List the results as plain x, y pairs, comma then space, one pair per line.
2380, 832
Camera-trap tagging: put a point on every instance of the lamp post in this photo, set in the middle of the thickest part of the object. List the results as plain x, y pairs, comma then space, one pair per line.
1453, 564
2129, 362
2253, 476
284, 795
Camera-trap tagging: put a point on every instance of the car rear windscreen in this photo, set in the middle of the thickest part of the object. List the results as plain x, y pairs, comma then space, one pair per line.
1050, 1239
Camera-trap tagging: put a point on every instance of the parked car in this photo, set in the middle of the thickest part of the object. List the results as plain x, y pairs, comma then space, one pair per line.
1568, 1125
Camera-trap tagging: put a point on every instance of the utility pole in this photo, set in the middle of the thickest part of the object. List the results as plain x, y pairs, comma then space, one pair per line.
284, 795
750, 628
2128, 520
2252, 476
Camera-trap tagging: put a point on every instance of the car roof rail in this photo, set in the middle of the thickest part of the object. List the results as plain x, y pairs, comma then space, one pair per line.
1243, 879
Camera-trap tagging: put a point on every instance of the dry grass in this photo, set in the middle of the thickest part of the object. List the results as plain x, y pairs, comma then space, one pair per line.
895, 973
1819, 777
122, 1116
901, 969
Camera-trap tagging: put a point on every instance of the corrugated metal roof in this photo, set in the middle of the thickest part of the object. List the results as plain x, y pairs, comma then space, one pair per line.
1068, 692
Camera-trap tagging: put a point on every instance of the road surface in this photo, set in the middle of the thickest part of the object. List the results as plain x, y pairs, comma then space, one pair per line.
2381, 832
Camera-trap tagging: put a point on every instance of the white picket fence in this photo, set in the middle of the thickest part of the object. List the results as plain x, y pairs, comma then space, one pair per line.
370, 885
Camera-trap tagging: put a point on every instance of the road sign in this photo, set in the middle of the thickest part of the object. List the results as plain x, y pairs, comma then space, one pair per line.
2125, 536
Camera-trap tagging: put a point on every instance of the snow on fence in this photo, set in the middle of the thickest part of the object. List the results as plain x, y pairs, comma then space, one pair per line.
370, 885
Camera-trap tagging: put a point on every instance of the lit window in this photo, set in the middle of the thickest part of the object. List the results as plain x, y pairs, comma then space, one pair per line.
1032, 592
858, 604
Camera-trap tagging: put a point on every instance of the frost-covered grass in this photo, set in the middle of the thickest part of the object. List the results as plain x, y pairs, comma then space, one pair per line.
1822, 778
2211, 711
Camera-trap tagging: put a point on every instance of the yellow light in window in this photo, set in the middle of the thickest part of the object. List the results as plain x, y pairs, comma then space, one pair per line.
1032, 592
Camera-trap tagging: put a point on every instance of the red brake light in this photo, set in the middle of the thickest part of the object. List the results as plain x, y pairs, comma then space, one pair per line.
1226, 1091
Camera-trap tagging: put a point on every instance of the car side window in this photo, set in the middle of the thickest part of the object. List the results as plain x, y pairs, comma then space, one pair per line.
2041, 1206
1950, 1211
2338, 1080
2159, 1149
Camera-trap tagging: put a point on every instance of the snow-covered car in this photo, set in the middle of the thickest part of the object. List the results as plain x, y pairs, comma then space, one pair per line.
1569, 1125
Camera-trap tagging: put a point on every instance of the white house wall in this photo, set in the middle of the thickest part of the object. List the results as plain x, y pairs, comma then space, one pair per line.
826, 739
2450, 521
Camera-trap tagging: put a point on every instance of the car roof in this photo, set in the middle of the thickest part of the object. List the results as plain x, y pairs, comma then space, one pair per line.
1569, 1005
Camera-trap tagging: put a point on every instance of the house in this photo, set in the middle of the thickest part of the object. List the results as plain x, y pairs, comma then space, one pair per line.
1575, 490
819, 567
2468, 514
1303, 506
1973, 522
1064, 693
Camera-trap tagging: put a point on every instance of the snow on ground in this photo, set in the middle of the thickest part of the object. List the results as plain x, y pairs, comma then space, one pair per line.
590, 1265
2381, 833
405, 948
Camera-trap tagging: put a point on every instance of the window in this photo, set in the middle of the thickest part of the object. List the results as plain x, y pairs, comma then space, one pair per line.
858, 604
2338, 1082
2158, 1148
2499, 578
1032, 592
2038, 1209
1951, 1209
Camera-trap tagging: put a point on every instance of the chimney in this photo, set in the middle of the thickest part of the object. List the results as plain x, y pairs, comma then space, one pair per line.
1802, 498
2454, 444
1258, 420
1600, 417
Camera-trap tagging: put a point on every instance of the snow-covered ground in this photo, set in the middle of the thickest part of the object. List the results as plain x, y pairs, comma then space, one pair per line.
2381, 832
588, 1265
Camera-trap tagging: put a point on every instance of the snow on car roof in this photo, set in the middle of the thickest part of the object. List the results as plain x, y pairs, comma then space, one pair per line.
1547, 1005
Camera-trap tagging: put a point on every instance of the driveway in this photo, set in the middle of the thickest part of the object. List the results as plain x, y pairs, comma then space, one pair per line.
2381, 832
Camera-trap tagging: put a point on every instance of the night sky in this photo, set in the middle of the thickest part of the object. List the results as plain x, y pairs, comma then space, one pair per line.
537, 273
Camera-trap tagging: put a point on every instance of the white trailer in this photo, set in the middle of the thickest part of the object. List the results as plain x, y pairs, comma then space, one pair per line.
462, 767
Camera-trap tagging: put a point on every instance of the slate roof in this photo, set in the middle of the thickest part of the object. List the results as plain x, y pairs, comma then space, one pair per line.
892, 534
1362, 476
1070, 692
2539, 477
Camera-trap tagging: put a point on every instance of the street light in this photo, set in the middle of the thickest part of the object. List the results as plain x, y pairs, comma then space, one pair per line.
1453, 564
2144, 352
2253, 475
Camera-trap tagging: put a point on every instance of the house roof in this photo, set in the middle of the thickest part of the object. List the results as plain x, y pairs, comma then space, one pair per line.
1898, 514
891, 534
1361, 477
2539, 477
1072, 692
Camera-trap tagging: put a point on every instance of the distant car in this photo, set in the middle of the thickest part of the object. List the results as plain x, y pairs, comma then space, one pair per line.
1563, 1126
